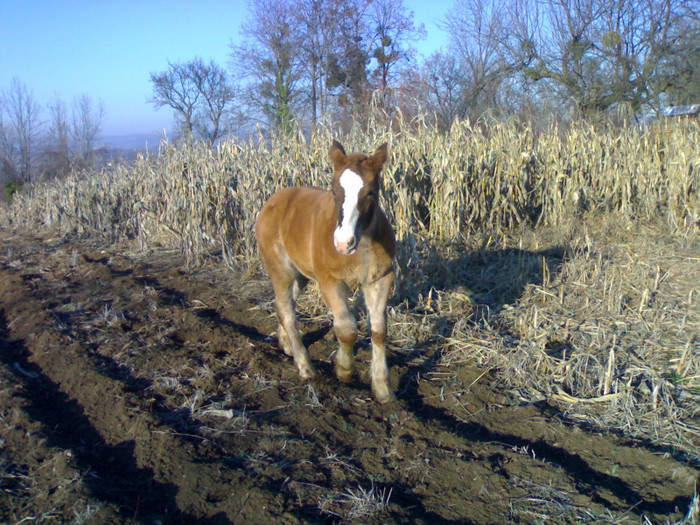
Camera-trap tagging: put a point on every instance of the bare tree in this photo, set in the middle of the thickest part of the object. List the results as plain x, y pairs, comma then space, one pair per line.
306, 58
21, 129
268, 62
392, 30
175, 88
57, 153
443, 89
216, 95
598, 53
200, 94
681, 65
475, 29
347, 75
592, 55
86, 125
327, 39
8, 168
316, 20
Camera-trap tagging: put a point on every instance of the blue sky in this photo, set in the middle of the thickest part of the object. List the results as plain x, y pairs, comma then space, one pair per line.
63, 48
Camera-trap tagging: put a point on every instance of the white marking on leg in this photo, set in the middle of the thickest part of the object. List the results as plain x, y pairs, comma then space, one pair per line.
375, 296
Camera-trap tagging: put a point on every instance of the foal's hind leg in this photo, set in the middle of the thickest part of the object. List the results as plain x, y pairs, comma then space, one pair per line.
298, 286
376, 296
287, 283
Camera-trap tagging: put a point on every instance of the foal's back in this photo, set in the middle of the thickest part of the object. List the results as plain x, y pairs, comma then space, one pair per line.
290, 222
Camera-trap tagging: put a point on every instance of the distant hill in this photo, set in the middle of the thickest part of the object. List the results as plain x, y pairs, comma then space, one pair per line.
135, 141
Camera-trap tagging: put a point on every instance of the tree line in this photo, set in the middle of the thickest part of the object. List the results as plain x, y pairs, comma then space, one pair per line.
45, 141
302, 61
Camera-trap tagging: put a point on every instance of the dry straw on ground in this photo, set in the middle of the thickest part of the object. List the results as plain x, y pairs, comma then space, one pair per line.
565, 263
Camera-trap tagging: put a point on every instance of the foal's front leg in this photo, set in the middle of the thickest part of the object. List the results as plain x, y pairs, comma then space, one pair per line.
376, 296
335, 294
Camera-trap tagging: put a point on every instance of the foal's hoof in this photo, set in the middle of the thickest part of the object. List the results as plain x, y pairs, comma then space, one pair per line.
285, 348
344, 374
383, 395
307, 372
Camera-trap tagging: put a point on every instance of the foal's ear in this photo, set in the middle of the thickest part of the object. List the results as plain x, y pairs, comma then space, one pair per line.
376, 161
337, 153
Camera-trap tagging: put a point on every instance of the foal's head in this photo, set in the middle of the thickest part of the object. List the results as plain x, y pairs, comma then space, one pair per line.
356, 192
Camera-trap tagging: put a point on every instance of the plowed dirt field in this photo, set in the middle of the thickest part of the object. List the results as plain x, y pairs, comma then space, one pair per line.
134, 391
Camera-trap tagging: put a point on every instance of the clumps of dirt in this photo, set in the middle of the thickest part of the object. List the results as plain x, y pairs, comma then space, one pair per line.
136, 392
38, 480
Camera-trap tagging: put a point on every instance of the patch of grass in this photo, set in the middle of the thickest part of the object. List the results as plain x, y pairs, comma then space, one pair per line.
356, 504
611, 335
85, 515
545, 504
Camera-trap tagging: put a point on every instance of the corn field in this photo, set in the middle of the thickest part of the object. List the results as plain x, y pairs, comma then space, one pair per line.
436, 186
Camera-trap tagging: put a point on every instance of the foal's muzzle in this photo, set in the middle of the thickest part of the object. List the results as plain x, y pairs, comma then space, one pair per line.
346, 247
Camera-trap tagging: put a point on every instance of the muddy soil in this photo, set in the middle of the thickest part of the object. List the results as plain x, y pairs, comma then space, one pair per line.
134, 391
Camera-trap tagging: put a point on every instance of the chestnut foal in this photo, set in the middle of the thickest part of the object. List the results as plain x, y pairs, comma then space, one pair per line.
342, 240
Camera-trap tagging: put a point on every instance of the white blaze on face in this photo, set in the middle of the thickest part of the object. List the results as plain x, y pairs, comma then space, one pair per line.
352, 184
